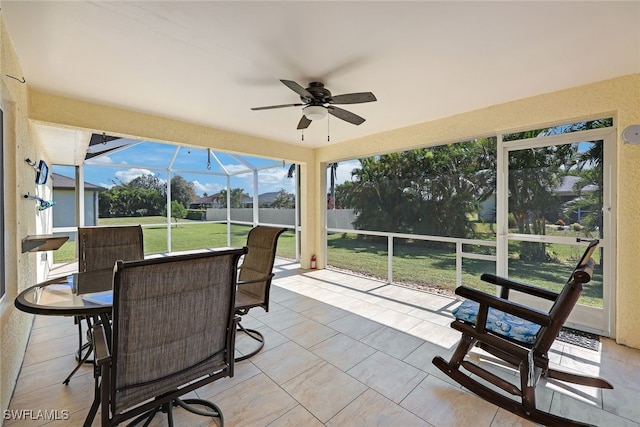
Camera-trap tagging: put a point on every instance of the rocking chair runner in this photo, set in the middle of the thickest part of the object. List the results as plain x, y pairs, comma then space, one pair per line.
520, 336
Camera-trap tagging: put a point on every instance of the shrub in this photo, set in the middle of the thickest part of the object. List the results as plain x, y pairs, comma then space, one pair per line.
196, 214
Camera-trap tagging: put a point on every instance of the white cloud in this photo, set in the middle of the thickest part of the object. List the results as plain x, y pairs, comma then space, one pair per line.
108, 186
208, 187
269, 180
103, 159
343, 173
125, 176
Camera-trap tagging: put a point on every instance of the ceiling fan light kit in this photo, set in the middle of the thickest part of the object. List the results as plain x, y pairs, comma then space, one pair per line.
317, 101
315, 112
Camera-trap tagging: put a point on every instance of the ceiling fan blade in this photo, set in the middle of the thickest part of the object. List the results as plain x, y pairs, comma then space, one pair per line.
345, 115
353, 98
298, 89
270, 107
304, 122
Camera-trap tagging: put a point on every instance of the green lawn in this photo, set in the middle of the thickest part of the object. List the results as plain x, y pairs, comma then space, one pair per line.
417, 265
184, 236
414, 263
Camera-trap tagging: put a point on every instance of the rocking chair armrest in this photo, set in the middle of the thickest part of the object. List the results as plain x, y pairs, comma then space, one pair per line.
490, 301
516, 285
584, 273
100, 346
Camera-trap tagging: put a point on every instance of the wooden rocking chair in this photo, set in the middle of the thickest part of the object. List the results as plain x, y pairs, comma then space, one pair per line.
521, 337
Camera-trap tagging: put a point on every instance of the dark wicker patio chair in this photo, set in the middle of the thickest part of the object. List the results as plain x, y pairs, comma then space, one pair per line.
173, 331
520, 336
254, 278
98, 249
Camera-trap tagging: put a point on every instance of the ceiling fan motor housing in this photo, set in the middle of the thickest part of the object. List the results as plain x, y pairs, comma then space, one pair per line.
320, 94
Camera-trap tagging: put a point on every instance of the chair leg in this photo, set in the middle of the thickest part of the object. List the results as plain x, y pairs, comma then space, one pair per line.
465, 344
82, 346
256, 335
148, 417
80, 363
215, 412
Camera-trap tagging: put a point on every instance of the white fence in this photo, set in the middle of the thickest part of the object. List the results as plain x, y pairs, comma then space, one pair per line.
337, 218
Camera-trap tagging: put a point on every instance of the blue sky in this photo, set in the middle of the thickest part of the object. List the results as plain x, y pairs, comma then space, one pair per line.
192, 163
196, 166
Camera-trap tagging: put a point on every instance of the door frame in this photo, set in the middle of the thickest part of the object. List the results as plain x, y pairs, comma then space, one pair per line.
600, 321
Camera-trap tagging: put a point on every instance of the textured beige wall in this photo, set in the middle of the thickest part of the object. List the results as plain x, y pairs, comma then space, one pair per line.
21, 216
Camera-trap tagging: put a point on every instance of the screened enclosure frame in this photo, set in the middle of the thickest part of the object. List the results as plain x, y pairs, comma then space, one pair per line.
111, 147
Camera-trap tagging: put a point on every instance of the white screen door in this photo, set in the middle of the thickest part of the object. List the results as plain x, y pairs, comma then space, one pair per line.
554, 195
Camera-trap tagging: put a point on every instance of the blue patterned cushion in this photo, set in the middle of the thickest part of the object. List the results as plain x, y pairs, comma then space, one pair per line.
499, 322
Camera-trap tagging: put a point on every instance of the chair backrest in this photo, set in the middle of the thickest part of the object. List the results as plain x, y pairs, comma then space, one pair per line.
101, 247
567, 299
173, 323
258, 262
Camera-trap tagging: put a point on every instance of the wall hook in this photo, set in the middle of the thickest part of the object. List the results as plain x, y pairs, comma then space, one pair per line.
42, 204
21, 80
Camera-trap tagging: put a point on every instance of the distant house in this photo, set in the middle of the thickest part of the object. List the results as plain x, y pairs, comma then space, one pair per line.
566, 191
64, 194
217, 201
213, 201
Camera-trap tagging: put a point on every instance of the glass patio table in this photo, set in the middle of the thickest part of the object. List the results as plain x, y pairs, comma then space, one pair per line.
86, 295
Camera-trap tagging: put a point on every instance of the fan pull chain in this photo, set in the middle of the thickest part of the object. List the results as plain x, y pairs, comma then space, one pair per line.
328, 136
302, 133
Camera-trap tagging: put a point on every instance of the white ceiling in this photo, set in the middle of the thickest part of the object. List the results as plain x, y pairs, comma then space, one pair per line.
209, 62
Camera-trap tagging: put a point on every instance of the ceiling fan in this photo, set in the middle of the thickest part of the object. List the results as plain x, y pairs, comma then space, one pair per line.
317, 101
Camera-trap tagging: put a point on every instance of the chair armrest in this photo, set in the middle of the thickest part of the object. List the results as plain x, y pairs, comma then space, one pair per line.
490, 301
258, 280
100, 347
526, 288
584, 273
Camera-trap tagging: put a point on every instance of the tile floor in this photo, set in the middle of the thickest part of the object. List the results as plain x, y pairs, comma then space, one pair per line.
340, 350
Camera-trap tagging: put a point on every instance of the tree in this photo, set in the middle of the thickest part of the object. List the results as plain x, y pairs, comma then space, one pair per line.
284, 200
144, 195
237, 197
333, 171
424, 191
148, 182
182, 190
590, 167
178, 210
589, 203
344, 198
